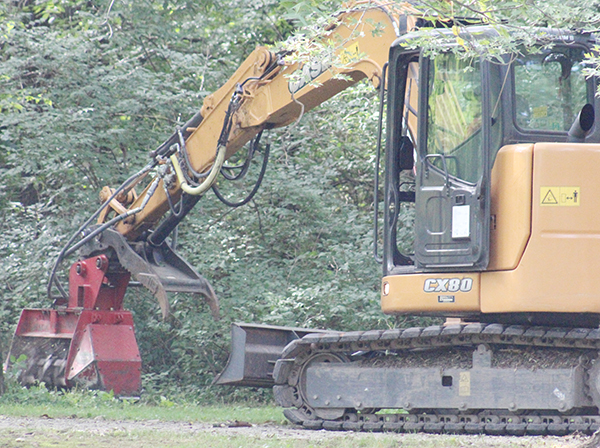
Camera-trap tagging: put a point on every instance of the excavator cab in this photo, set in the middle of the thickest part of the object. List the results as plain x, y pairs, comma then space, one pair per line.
477, 128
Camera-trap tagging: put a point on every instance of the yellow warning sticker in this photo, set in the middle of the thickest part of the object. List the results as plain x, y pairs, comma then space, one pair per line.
560, 196
350, 54
464, 384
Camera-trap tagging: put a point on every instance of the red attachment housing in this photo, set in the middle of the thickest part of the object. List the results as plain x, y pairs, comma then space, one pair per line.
93, 287
103, 352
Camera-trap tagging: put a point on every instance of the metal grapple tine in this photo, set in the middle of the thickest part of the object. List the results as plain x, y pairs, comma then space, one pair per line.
158, 268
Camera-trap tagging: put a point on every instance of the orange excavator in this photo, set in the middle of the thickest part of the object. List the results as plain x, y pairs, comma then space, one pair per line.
494, 158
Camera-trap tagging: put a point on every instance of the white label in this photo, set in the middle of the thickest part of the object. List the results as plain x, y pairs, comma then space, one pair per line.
461, 221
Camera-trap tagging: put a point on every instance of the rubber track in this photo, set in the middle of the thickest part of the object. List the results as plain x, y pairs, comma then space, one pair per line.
288, 367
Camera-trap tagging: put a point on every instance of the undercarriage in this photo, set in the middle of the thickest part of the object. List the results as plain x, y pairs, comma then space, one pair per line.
474, 378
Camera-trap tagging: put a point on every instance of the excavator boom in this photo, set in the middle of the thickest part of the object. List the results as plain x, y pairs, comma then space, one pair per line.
268, 92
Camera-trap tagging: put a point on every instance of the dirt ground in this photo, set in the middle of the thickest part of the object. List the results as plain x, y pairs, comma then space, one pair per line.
22, 431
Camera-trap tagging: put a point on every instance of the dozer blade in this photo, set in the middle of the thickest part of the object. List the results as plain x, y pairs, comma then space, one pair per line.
254, 350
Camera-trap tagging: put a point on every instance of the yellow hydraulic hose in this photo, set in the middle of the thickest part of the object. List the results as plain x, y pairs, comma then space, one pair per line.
210, 179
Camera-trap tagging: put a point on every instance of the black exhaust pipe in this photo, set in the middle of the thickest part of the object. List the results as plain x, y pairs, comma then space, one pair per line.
582, 125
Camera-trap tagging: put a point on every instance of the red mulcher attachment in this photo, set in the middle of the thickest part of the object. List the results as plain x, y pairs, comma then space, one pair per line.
90, 342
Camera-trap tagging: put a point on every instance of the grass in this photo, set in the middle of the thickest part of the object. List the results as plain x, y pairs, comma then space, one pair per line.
13, 438
138, 439
41, 402
176, 413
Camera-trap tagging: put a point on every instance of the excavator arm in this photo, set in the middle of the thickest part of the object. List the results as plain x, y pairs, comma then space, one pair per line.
264, 93
267, 91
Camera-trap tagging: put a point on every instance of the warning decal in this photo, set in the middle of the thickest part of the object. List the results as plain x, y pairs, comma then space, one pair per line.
560, 196
549, 198
464, 384
350, 54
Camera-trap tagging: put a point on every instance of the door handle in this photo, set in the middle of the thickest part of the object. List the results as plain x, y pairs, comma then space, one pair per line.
444, 166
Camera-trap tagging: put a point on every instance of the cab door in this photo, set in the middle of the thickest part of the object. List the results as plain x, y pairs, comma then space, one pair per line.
452, 218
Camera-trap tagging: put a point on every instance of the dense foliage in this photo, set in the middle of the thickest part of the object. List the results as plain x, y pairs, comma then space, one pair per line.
88, 87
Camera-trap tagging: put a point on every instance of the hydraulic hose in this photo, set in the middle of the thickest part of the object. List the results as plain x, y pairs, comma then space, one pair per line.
116, 219
206, 183
185, 186
67, 249
257, 185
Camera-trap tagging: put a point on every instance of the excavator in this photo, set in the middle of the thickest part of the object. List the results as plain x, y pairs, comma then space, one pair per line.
495, 157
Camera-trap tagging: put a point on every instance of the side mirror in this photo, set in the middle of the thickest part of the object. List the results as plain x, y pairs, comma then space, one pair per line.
406, 158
